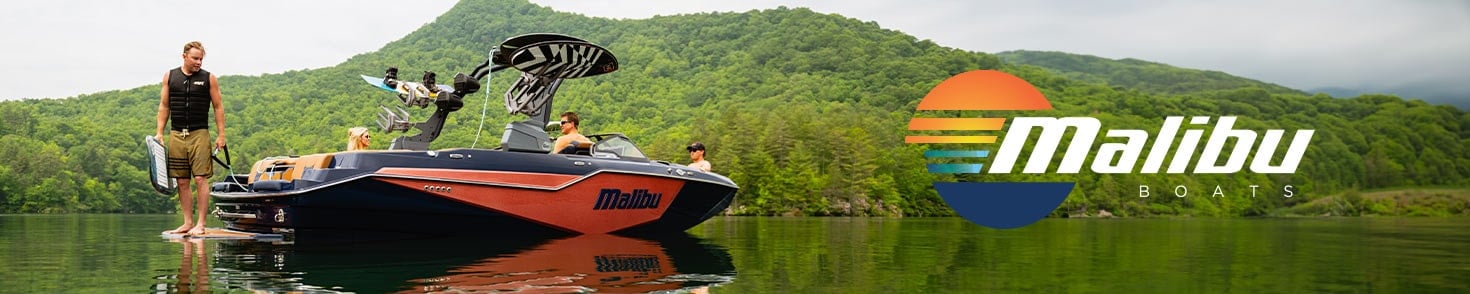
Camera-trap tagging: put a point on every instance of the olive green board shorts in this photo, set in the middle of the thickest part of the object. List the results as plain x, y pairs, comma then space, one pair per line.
188, 155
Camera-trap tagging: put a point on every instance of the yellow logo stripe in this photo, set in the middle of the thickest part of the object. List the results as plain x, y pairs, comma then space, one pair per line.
958, 124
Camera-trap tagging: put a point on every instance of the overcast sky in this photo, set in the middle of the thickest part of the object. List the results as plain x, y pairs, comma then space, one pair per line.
60, 49
54, 49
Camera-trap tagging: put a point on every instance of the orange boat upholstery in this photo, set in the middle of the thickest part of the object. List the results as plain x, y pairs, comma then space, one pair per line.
288, 168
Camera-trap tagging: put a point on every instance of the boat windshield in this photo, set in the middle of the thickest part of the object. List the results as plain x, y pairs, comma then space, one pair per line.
616, 145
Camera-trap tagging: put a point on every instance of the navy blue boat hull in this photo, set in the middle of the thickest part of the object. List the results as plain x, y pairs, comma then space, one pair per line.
472, 191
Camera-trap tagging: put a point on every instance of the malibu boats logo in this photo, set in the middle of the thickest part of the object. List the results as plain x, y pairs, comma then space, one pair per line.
627, 263
1016, 204
616, 199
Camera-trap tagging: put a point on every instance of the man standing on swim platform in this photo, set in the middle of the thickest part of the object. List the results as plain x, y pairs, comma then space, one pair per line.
188, 94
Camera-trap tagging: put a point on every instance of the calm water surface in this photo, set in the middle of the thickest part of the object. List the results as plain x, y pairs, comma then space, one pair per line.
124, 254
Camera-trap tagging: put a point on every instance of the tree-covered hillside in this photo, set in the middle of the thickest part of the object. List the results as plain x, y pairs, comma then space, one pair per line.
806, 111
1150, 77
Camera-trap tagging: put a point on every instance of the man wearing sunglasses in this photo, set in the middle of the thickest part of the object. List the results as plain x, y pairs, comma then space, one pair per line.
569, 134
696, 153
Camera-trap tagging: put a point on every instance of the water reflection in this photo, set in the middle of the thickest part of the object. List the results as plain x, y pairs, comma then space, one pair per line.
193, 275
585, 263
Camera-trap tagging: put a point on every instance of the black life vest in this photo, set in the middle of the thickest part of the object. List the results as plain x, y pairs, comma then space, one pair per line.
188, 100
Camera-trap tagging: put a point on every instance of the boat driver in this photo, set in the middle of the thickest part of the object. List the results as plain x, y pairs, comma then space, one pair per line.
569, 134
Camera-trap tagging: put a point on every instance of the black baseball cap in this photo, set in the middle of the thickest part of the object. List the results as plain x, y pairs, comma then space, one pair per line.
695, 146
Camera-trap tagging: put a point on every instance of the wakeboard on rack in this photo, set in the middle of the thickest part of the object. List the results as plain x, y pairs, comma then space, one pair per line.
378, 82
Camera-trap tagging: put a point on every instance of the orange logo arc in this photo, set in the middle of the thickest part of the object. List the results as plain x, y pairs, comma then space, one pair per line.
984, 90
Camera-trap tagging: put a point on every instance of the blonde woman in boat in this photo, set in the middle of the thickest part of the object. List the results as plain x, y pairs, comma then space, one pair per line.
358, 138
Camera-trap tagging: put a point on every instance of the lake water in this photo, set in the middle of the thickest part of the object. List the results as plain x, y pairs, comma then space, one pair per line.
124, 254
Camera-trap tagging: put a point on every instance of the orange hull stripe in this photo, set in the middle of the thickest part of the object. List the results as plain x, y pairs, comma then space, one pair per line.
570, 208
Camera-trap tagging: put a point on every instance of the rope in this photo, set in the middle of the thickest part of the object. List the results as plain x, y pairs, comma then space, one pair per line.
485, 106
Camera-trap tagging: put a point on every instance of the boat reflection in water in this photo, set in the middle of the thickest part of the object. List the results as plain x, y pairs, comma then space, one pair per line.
584, 263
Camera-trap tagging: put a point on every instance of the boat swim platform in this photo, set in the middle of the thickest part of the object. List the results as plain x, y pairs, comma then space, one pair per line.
224, 234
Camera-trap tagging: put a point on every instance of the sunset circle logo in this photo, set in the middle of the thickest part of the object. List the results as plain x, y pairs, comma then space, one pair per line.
999, 205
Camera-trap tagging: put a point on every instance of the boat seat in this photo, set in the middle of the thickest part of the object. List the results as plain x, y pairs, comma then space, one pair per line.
268, 169
226, 187
232, 183
271, 185
525, 136
578, 148
314, 161
288, 168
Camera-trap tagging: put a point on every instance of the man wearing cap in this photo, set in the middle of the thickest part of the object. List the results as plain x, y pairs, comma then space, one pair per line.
696, 153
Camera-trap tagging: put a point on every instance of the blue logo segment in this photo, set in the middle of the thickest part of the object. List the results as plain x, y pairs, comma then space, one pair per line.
955, 168
1003, 205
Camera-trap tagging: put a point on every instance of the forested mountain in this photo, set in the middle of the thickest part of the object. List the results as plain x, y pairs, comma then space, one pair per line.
1165, 79
806, 111
1150, 77
1437, 93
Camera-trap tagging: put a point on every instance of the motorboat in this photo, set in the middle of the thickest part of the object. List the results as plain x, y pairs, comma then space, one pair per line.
521, 187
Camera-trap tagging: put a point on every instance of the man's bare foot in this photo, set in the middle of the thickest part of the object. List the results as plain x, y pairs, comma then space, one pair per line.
181, 229
197, 230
